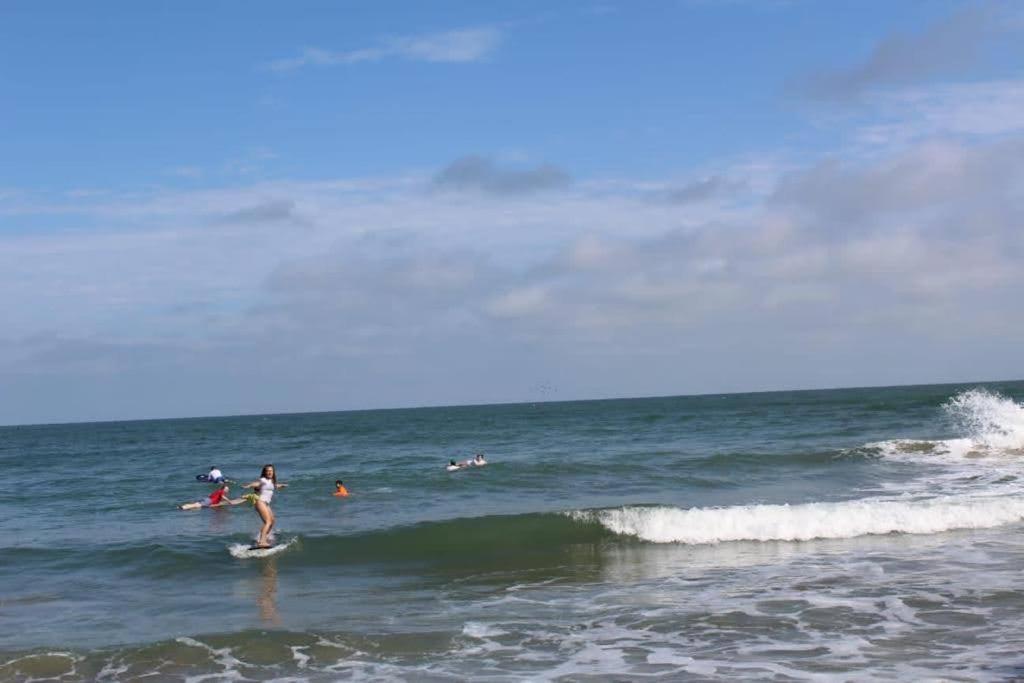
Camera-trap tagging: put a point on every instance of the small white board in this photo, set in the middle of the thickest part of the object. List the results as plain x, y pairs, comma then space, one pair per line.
243, 551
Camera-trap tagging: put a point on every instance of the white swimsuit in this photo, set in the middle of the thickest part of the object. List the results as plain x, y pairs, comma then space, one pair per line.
266, 490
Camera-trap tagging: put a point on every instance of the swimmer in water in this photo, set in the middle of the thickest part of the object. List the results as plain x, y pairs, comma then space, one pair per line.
340, 490
478, 460
264, 488
215, 476
453, 466
218, 498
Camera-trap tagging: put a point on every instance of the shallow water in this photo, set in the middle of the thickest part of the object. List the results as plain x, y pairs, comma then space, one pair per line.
802, 535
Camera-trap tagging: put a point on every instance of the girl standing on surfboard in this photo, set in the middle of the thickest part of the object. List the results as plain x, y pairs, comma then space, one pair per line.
264, 487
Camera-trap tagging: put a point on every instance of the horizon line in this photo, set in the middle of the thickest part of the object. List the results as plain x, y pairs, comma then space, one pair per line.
511, 403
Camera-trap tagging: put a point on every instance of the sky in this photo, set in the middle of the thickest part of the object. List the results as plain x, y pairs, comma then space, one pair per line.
213, 208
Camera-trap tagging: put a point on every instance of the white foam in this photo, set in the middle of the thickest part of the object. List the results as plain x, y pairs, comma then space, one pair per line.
72, 671
663, 655
990, 420
701, 668
989, 425
34, 655
300, 657
475, 629
847, 519
112, 672
986, 458
222, 656
915, 450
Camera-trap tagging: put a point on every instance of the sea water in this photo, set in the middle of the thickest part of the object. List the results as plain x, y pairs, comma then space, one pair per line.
842, 534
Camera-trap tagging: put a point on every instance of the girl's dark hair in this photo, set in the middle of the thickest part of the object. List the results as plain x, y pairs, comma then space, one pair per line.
263, 473
337, 481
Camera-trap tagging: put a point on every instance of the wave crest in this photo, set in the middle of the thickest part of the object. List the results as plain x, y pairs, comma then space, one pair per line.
807, 521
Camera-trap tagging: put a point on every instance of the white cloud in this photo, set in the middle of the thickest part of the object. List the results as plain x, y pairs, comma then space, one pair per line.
457, 46
978, 109
518, 302
192, 172
591, 251
467, 45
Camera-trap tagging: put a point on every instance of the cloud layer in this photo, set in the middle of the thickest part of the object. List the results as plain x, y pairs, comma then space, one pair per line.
394, 292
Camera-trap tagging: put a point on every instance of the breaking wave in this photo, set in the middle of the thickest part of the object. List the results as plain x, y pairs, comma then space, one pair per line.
808, 521
988, 424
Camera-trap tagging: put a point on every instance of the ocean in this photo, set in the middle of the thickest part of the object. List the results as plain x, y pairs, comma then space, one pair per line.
808, 535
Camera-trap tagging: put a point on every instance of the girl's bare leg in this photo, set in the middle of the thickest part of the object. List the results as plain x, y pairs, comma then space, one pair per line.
268, 522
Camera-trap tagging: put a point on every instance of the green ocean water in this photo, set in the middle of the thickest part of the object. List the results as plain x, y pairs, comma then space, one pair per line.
856, 533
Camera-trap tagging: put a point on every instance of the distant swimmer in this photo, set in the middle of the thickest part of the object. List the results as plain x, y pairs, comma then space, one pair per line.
476, 461
264, 488
216, 499
214, 476
339, 489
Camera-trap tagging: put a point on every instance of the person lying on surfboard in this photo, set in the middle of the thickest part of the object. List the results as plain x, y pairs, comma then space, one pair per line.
218, 498
264, 488
477, 461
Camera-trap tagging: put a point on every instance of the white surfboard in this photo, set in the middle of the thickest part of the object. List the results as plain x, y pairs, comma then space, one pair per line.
243, 551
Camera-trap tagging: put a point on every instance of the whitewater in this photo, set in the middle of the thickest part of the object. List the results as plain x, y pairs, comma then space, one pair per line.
808, 521
843, 534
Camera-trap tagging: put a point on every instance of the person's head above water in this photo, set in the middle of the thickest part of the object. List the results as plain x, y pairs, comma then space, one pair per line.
268, 472
451, 463
337, 482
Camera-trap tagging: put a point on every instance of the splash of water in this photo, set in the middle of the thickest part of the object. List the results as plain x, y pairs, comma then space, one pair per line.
989, 420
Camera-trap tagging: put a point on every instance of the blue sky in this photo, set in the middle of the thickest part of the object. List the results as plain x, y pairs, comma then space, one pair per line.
216, 208
127, 92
